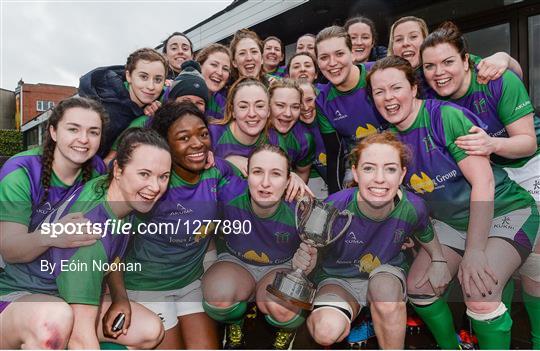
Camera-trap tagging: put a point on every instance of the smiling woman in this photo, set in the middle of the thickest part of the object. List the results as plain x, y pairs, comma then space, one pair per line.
124, 91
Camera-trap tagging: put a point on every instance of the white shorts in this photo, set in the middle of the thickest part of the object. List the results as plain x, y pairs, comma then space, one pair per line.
506, 226
318, 186
358, 287
170, 304
257, 272
528, 176
11, 297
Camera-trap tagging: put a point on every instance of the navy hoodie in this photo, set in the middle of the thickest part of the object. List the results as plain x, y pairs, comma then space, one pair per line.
107, 85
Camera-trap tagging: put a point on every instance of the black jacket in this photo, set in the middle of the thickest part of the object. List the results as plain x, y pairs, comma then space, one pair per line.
106, 84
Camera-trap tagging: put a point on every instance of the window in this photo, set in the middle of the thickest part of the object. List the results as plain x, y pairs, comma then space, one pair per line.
487, 41
43, 105
534, 60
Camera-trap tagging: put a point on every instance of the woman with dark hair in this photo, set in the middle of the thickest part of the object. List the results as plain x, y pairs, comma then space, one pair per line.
471, 202
512, 135
174, 261
55, 301
33, 182
126, 90
215, 61
273, 56
177, 48
364, 39
306, 43
344, 111
303, 66
252, 256
246, 50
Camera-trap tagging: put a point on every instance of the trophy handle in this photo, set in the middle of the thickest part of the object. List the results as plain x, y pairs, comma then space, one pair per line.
302, 200
345, 227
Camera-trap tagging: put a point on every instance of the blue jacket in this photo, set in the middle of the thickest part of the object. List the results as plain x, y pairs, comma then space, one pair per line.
106, 84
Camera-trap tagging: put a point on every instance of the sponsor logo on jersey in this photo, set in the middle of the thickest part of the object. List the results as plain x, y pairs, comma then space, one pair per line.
46, 208
351, 239
180, 210
522, 105
251, 255
368, 262
424, 184
322, 158
504, 223
338, 116
362, 132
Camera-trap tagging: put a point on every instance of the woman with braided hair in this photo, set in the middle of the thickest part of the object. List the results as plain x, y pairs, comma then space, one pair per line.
34, 181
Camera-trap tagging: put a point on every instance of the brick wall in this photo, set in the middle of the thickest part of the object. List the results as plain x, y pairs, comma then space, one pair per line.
32, 93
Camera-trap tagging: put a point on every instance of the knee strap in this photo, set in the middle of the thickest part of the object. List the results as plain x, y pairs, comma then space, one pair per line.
531, 267
291, 324
335, 302
231, 314
422, 300
499, 311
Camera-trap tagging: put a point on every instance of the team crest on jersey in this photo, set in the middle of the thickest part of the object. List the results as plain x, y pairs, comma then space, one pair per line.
252, 255
282, 237
362, 132
368, 262
480, 106
398, 235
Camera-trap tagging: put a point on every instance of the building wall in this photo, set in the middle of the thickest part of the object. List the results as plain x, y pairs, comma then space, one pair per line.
7, 109
32, 93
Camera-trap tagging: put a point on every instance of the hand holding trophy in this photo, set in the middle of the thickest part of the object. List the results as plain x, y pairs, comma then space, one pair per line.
315, 224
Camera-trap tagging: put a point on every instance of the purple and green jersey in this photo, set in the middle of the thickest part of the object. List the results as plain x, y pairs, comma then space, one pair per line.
21, 190
75, 275
172, 258
279, 72
225, 144
300, 144
499, 103
351, 114
434, 173
369, 243
270, 241
216, 105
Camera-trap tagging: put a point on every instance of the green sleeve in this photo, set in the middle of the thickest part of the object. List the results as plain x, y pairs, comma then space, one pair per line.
455, 124
83, 286
15, 198
475, 59
324, 123
137, 122
514, 102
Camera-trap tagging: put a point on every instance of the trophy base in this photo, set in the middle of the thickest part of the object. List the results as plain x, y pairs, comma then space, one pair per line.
296, 290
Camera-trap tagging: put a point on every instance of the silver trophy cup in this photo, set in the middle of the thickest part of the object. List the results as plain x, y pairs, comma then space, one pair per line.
315, 223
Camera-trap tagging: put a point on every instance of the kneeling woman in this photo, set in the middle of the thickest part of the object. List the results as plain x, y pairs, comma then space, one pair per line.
254, 255
47, 304
485, 221
363, 266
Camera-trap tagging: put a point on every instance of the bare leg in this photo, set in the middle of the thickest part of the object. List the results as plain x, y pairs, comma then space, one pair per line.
199, 331
387, 306
36, 321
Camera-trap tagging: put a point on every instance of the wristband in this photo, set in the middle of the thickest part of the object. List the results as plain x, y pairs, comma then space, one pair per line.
439, 261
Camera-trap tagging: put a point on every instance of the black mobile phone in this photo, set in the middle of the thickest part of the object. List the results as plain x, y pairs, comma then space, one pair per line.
118, 323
